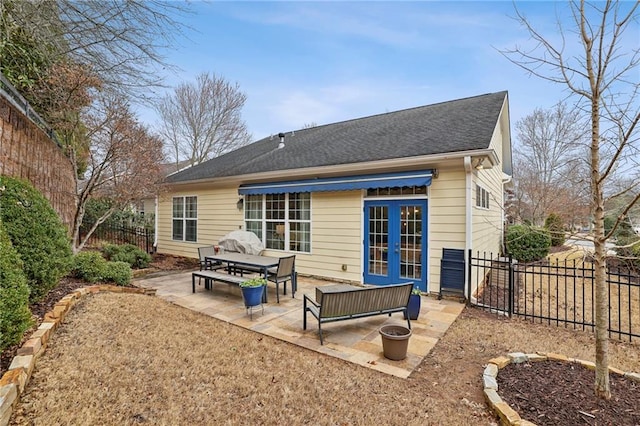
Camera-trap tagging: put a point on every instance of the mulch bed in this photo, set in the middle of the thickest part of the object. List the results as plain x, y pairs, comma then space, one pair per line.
560, 393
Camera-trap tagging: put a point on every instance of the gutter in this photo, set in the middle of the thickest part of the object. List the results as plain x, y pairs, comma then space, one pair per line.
396, 164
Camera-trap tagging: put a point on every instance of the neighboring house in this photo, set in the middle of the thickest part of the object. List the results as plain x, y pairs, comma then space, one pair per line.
147, 207
372, 200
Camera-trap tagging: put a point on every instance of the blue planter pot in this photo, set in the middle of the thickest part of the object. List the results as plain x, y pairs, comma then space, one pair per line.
414, 306
252, 295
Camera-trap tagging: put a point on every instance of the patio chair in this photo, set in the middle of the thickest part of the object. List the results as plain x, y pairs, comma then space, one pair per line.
205, 264
283, 273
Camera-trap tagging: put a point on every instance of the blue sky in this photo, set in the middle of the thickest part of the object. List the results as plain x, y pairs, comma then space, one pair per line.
323, 62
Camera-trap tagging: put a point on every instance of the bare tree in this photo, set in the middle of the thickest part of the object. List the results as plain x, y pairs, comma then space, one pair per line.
597, 62
123, 162
546, 154
122, 41
203, 120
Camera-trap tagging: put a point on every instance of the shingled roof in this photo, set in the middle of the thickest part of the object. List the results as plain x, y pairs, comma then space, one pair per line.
454, 126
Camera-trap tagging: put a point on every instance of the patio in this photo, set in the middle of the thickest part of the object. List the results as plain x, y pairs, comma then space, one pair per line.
355, 341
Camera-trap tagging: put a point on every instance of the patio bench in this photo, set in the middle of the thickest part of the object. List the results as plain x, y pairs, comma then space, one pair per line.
210, 276
345, 302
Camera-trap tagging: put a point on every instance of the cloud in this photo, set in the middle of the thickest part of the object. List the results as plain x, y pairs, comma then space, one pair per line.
292, 109
416, 25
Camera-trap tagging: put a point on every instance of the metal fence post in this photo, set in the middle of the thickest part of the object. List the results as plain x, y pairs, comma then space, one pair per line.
511, 285
469, 277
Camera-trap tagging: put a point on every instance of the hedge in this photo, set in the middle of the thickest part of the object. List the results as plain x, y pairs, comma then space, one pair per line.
37, 234
527, 243
15, 317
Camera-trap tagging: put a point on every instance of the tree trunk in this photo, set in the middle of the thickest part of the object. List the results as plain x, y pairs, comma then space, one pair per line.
602, 388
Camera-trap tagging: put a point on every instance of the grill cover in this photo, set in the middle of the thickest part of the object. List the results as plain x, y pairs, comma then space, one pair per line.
242, 242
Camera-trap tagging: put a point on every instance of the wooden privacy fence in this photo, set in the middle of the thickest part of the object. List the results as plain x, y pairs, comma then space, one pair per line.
560, 292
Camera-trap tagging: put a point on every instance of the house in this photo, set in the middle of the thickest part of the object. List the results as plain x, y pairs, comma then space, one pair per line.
371, 200
147, 206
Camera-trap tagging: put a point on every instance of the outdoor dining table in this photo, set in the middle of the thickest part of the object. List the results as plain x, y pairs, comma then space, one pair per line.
263, 263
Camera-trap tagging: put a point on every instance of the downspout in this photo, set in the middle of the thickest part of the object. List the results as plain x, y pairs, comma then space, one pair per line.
155, 225
468, 168
505, 182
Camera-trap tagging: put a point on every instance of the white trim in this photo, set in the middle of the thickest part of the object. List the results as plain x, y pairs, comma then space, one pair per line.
184, 218
379, 166
287, 221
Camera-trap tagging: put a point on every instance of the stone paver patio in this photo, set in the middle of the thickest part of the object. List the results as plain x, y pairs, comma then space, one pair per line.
356, 341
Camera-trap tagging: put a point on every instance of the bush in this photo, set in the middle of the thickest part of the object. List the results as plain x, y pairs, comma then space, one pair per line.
15, 317
92, 267
36, 233
631, 253
554, 225
526, 243
89, 266
117, 272
128, 253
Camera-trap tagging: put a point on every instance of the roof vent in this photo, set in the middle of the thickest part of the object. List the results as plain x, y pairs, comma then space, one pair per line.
281, 144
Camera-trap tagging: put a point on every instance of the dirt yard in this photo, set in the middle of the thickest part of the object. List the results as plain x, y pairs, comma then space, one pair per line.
130, 359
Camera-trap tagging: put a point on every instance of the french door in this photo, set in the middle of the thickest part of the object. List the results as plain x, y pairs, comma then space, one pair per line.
395, 243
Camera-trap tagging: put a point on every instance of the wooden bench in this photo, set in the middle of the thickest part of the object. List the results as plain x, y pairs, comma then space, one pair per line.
345, 302
210, 276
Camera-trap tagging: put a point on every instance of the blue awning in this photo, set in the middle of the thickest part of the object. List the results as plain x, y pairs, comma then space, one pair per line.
346, 183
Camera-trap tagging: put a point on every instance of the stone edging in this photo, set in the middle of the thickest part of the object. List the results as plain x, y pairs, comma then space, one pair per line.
14, 381
508, 416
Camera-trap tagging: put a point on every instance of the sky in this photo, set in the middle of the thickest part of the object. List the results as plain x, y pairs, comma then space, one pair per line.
324, 62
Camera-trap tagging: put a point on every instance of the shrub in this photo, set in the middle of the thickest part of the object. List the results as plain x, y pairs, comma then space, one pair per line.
117, 272
526, 243
128, 253
15, 317
629, 250
89, 266
554, 225
37, 234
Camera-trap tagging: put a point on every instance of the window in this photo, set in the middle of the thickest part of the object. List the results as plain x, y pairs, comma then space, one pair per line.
396, 190
281, 221
185, 219
482, 197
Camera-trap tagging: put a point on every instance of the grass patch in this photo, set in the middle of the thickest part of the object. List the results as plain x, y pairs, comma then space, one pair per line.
129, 359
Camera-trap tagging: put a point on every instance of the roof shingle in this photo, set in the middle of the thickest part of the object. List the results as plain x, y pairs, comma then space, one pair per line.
453, 126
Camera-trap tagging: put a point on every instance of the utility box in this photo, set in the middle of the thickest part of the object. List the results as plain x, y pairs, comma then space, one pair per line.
452, 269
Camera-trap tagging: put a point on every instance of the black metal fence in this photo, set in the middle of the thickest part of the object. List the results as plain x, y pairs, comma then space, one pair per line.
560, 292
120, 234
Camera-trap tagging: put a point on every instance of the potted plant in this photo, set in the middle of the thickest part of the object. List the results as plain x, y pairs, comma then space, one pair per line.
414, 303
252, 291
395, 341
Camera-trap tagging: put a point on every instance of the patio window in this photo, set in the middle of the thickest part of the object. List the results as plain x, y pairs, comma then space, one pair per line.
281, 221
185, 219
482, 197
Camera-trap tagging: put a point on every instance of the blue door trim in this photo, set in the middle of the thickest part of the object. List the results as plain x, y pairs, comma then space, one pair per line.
384, 251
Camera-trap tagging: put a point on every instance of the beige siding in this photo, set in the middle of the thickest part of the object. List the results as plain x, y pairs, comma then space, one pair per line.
488, 223
335, 229
446, 220
218, 214
336, 237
